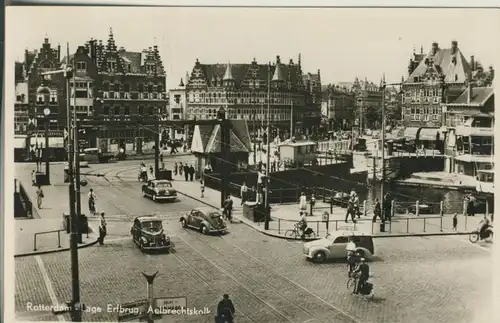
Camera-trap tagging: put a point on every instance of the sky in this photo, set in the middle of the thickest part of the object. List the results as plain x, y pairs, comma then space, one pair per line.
343, 43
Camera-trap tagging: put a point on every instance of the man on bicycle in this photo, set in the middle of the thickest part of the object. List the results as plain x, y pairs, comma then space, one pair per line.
364, 273
351, 255
302, 225
92, 198
485, 224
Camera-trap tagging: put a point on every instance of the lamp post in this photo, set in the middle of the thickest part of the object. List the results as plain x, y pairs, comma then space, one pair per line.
46, 112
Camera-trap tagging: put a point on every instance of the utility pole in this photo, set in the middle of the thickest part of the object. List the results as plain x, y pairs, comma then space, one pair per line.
78, 211
150, 297
291, 116
382, 177
76, 314
266, 196
254, 126
157, 148
225, 150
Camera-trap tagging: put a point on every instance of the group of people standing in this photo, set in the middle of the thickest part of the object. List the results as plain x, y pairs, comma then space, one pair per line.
185, 170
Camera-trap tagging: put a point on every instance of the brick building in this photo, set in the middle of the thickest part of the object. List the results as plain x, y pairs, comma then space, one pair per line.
109, 81
243, 90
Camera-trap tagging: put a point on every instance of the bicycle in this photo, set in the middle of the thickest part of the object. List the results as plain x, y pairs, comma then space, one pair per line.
475, 236
352, 284
296, 232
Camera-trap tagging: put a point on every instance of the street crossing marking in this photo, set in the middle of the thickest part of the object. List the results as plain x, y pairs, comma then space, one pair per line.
48, 284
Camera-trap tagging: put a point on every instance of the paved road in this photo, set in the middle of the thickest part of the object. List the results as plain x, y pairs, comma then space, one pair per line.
438, 279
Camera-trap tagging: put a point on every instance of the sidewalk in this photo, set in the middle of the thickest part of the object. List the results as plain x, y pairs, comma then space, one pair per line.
48, 218
283, 218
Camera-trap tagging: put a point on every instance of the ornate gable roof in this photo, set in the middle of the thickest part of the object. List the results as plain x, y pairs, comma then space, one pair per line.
210, 137
452, 65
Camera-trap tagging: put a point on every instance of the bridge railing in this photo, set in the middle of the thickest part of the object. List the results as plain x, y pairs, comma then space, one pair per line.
48, 232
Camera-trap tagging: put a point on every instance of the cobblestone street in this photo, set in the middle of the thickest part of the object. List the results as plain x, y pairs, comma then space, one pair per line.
416, 279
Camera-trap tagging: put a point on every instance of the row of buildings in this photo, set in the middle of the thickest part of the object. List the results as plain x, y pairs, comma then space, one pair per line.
112, 81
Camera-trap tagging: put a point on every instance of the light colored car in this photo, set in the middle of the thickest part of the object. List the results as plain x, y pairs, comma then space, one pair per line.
333, 246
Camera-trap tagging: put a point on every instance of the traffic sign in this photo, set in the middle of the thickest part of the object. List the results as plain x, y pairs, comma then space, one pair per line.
171, 303
132, 311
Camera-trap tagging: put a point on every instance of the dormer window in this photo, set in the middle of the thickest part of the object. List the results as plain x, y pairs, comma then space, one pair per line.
53, 96
112, 65
81, 66
454, 60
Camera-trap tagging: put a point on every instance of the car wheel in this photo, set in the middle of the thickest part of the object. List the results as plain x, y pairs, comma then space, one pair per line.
143, 194
184, 223
154, 197
141, 246
319, 256
361, 253
203, 229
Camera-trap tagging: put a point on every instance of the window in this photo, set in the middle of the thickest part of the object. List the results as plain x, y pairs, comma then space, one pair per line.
141, 87
106, 109
159, 88
111, 111
150, 88
341, 240
105, 86
82, 94
53, 96
81, 66
126, 87
141, 109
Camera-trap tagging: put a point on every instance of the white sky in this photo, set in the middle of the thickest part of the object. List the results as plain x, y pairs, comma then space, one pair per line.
343, 43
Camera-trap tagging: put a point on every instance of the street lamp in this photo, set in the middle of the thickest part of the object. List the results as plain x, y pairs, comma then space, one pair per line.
45, 92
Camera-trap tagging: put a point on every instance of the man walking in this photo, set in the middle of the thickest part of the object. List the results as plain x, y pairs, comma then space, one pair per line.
243, 193
186, 172
191, 173
102, 229
225, 310
350, 210
228, 208
377, 212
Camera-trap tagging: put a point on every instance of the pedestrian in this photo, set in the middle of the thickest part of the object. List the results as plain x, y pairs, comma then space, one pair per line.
225, 310
387, 206
252, 194
377, 211
102, 229
228, 207
455, 222
33, 177
350, 210
356, 205
186, 172
312, 203
243, 193
191, 173
181, 168
202, 187
161, 160
471, 206
303, 202
176, 168
39, 196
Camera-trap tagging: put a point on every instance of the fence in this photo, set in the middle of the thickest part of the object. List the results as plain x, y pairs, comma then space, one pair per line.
48, 232
406, 225
28, 206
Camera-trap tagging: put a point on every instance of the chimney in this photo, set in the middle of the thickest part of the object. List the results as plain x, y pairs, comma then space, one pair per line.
58, 52
472, 63
454, 47
469, 88
435, 47
291, 62
278, 59
26, 58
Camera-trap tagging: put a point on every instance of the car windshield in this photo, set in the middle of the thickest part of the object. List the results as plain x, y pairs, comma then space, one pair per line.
214, 215
154, 226
163, 185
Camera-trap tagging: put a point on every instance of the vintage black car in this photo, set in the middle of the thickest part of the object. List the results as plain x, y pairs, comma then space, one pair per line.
207, 220
159, 190
147, 233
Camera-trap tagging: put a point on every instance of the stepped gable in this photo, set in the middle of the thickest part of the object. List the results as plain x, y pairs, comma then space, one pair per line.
449, 62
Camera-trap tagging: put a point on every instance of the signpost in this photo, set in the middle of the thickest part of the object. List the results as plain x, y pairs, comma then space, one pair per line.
171, 303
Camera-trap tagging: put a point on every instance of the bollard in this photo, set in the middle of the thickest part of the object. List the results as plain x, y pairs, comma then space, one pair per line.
336, 225
407, 225
465, 223
365, 211
393, 203
331, 205
465, 208
417, 208
372, 225
441, 208
487, 208
317, 227
441, 225
279, 225
59, 239
424, 224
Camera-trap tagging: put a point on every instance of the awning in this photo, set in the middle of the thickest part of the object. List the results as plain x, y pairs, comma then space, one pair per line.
410, 133
428, 134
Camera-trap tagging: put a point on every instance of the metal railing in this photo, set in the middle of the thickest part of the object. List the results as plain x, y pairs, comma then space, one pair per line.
47, 232
407, 225
28, 205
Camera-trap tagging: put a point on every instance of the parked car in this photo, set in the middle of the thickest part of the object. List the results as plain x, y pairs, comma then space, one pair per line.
375, 135
207, 220
334, 244
147, 233
159, 190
